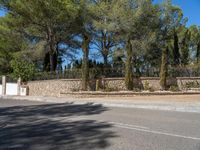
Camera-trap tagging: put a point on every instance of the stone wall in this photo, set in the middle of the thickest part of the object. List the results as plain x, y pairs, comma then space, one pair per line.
115, 83
55, 87
181, 81
153, 82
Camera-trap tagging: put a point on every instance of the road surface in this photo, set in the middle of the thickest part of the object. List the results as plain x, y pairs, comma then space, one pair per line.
26, 125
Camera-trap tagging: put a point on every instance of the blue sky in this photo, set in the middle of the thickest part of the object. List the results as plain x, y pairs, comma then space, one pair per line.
191, 9
1, 13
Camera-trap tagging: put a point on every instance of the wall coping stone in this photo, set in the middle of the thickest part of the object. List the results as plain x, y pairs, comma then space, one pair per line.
127, 93
55, 80
188, 78
113, 78
150, 78
142, 78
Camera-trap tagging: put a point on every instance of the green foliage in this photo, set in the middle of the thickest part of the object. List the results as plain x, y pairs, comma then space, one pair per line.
10, 43
136, 90
147, 87
128, 71
135, 33
174, 88
176, 52
22, 69
47, 20
164, 69
195, 42
185, 46
194, 84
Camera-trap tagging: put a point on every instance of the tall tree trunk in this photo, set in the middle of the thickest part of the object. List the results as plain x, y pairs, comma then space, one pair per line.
105, 59
85, 64
53, 61
128, 71
51, 41
105, 52
46, 66
105, 65
55, 56
176, 52
164, 69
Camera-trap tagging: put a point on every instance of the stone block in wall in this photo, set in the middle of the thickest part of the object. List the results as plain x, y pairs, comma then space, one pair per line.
154, 82
117, 84
181, 81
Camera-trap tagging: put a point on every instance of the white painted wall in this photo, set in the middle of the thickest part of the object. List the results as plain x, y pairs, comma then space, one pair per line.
11, 88
23, 91
0, 89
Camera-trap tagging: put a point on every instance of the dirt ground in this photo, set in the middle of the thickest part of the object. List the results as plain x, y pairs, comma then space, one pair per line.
168, 98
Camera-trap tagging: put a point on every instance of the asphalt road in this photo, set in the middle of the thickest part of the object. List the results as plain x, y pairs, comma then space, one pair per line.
26, 125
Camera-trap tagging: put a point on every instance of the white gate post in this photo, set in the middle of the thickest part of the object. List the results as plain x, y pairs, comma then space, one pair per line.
19, 86
3, 85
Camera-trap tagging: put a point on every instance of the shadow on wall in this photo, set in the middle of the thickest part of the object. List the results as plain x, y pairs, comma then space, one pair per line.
43, 127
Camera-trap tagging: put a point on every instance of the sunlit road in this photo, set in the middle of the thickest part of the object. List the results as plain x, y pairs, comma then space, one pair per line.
26, 125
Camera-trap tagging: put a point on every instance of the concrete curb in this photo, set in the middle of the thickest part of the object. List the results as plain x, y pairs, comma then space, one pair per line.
166, 106
125, 93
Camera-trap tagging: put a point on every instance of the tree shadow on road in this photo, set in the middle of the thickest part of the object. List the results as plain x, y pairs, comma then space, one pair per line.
50, 127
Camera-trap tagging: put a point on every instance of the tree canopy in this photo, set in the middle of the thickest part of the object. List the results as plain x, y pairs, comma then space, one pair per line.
138, 37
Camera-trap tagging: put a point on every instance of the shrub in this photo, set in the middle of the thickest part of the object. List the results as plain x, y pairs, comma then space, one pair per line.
174, 88
23, 69
147, 87
136, 90
193, 84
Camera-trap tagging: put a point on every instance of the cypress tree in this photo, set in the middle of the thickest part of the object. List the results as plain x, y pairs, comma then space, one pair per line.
198, 52
176, 52
164, 69
128, 71
185, 48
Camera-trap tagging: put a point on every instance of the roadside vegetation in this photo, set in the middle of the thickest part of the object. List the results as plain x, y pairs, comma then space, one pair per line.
91, 39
